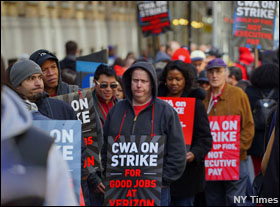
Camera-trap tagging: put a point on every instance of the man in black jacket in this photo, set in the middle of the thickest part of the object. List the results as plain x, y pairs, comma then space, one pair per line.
49, 64
69, 62
27, 78
144, 114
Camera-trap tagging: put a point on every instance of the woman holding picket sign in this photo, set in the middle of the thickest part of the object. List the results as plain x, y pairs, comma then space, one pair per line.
177, 80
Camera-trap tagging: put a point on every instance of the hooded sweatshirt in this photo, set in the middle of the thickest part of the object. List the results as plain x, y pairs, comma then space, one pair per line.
40, 56
32, 107
166, 123
39, 171
245, 59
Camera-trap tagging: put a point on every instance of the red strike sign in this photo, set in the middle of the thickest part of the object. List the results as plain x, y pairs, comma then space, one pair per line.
185, 109
222, 162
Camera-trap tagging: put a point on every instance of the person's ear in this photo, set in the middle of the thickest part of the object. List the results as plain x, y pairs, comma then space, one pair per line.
227, 72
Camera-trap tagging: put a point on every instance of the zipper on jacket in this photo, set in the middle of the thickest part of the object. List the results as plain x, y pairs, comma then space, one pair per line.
134, 123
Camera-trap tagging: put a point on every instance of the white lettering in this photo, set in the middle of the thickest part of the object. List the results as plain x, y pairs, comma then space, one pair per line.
67, 151
214, 171
236, 199
83, 103
67, 136
75, 105
214, 126
268, 4
215, 154
181, 104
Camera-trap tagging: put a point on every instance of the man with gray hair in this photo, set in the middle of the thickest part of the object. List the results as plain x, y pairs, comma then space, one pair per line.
27, 78
223, 100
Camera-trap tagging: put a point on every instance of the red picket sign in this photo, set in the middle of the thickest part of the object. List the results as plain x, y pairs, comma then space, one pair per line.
185, 108
82, 200
222, 162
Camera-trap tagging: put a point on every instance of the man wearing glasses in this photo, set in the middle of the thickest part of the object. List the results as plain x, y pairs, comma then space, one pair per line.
104, 99
222, 99
106, 84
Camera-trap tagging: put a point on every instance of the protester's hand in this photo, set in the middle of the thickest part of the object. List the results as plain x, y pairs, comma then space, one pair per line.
189, 156
100, 188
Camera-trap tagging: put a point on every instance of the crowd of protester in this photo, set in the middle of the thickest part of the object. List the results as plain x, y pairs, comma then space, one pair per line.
125, 98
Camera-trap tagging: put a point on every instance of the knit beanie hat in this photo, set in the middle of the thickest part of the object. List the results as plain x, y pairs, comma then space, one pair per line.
22, 69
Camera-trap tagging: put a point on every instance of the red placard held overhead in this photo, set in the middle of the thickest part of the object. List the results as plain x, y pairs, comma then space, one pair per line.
185, 108
222, 162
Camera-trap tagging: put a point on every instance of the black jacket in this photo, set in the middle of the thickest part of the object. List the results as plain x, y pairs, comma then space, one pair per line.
271, 177
193, 179
55, 109
68, 62
257, 148
166, 122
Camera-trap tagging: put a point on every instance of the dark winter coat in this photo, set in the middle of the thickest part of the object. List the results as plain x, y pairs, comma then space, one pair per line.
193, 179
257, 147
68, 62
271, 178
166, 122
55, 109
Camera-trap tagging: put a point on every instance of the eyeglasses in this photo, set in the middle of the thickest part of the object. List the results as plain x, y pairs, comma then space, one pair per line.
105, 85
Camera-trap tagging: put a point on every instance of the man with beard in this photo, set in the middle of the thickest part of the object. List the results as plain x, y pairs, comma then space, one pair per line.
27, 78
31, 165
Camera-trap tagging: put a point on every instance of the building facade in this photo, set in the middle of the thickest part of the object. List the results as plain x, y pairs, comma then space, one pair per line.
31, 25
27, 26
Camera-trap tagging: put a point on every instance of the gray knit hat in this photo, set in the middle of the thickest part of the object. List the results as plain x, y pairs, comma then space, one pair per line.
22, 69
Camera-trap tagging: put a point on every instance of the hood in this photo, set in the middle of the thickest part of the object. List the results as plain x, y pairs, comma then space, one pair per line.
15, 117
127, 78
162, 56
30, 106
40, 56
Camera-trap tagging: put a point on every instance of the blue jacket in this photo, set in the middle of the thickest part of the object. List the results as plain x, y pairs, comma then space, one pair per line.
55, 109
